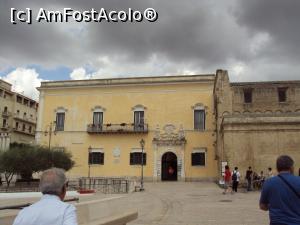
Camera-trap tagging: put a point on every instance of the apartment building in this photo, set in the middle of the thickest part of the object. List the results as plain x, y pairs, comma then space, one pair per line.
18, 117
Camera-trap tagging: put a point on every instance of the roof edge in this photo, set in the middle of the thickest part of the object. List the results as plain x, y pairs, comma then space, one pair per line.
128, 81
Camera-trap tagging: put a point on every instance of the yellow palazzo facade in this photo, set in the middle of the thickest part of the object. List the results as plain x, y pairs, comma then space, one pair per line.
102, 122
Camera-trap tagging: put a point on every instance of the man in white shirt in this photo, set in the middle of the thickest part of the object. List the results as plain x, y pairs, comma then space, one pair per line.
50, 209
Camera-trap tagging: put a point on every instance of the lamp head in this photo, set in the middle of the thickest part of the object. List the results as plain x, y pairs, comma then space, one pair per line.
142, 143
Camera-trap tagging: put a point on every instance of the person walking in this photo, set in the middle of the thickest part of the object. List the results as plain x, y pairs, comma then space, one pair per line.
261, 179
235, 179
270, 173
50, 209
281, 194
249, 173
227, 179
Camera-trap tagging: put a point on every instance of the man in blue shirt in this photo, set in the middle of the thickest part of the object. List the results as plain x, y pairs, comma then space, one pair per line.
281, 194
50, 210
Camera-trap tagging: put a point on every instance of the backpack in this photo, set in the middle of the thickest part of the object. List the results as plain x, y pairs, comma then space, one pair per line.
234, 176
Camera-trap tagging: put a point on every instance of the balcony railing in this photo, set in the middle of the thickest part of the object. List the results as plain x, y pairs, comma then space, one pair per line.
26, 131
117, 128
6, 114
4, 127
24, 118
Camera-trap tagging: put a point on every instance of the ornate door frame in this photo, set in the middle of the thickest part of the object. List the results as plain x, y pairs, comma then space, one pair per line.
169, 141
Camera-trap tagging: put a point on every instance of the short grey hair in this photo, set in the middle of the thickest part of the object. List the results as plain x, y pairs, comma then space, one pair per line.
52, 181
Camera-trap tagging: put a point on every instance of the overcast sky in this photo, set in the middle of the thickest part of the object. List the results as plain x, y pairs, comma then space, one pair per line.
254, 40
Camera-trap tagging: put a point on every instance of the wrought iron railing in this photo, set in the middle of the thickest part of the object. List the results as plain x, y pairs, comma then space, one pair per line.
118, 128
106, 185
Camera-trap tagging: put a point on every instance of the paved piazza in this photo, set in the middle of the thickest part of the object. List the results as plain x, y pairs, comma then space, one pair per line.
195, 203
198, 203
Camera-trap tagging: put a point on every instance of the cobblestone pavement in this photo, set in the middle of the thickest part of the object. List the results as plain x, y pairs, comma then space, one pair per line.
195, 203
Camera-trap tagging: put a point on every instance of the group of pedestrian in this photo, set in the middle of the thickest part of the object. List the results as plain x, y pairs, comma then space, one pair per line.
255, 180
280, 194
252, 178
231, 177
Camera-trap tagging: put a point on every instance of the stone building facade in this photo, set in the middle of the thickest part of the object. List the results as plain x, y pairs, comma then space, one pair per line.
18, 117
256, 122
101, 122
193, 124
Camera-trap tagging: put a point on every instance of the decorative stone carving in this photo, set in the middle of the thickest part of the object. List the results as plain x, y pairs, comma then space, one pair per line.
179, 167
199, 106
98, 108
61, 109
157, 132
169, 129
169, 136
116, 152
138, 107
181, 134
158, 163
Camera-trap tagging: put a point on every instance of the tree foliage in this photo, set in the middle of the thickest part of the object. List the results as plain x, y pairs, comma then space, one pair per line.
27, 159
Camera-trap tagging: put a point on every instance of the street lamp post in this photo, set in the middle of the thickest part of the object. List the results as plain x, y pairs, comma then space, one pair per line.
49, 130
142, 143
89, 163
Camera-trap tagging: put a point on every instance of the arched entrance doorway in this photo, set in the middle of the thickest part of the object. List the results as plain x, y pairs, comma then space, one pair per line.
169, 167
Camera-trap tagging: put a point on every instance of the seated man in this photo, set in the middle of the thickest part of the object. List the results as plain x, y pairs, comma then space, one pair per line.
51, 209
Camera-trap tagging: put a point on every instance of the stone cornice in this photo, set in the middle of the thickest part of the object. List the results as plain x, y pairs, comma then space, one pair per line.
261, 120
266, 83
128, 81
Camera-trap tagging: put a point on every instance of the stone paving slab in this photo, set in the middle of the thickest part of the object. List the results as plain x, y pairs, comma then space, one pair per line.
187, 203
194, 204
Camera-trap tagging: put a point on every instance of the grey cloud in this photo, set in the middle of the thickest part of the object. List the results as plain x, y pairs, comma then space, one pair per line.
38, 43
194, 35
278, 18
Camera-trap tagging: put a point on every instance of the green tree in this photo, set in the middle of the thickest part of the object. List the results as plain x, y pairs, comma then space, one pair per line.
27, 159
8, 163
